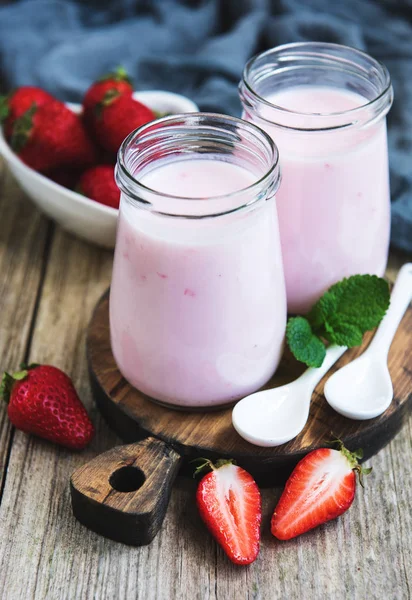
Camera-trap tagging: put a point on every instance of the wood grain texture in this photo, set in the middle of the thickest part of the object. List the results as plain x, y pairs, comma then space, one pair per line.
211, 434
36, 495
123, 493
23, 234
45, 554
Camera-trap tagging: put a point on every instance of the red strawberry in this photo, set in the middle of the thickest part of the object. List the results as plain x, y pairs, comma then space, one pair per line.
321, 487
229, 503
98, 183
42, 401
14, 105
117, 81
51, 136
118, 115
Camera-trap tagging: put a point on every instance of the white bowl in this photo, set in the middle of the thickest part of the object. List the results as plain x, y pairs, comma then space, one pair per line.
85, 218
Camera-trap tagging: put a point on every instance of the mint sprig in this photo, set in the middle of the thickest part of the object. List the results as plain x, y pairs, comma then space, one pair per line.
341, 316
306, 346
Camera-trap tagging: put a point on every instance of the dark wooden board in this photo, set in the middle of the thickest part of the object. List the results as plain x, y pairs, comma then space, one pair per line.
210, 434
123, 493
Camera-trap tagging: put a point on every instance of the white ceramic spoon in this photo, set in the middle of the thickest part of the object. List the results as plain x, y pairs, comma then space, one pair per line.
363, 388
273, 417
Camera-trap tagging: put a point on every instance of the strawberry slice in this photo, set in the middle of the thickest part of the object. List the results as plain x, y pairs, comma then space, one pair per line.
229, 503
321, 487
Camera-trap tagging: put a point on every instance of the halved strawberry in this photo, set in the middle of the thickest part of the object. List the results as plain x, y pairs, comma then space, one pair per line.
229, 503
321, 487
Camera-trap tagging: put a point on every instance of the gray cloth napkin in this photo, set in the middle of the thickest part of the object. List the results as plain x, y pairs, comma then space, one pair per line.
199, 47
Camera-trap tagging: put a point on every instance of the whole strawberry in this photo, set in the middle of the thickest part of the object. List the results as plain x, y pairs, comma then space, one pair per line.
118, 81
321, 488
98, 183
50, 136
15, 104
229, 503
116, 116
43, 401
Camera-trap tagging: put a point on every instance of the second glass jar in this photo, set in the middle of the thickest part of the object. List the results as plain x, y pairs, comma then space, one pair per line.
325, 106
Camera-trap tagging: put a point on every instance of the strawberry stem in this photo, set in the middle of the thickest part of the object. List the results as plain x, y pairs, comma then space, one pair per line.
352, 458
206, 464
119, 74
361, 471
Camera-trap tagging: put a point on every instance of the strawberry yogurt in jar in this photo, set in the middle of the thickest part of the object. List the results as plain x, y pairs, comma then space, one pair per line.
325, 105
197, 302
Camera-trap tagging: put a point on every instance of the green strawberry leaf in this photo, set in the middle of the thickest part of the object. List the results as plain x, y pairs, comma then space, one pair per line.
5, 387
108, 99
22, 129
303, 343
7, 382
27, 366
119, 74
4, 108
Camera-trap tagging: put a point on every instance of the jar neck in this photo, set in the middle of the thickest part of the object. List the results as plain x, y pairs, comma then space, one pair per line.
316, 65
197, 136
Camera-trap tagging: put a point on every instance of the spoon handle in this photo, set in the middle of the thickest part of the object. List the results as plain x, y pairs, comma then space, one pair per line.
313, 375
400, 299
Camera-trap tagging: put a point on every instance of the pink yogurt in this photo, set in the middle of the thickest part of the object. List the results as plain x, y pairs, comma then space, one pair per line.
333, 204
197, 306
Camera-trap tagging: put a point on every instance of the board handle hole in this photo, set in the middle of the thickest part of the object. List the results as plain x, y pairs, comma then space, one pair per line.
127, 479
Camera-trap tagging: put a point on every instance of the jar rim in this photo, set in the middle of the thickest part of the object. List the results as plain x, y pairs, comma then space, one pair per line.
321, 47
132, 186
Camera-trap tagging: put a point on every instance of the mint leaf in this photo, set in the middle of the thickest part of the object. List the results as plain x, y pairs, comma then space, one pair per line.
303, 343
341, 316
347, 335
349, 308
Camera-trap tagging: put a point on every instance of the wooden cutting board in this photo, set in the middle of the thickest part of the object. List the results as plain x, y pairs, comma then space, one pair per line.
133, 480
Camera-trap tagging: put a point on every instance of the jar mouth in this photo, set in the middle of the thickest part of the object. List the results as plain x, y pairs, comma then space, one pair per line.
197, 135
343, 60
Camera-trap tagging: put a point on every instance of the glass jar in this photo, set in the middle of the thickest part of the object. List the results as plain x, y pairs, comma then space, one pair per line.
325, 106
197, 302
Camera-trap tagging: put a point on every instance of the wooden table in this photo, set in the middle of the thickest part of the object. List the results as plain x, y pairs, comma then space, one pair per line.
49, 284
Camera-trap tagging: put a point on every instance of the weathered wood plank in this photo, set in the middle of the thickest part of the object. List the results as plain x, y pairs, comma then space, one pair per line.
23, 233
76, 275
45, 553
